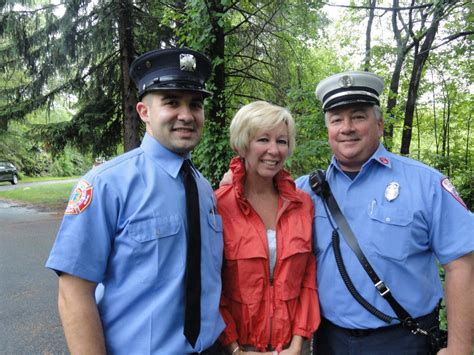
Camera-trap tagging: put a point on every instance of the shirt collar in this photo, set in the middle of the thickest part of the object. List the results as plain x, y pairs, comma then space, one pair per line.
381, 156
169, 161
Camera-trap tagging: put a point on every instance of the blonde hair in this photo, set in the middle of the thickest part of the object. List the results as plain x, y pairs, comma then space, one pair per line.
256, 116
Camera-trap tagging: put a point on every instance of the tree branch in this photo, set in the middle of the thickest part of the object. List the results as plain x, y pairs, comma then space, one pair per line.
380, 7
451, 38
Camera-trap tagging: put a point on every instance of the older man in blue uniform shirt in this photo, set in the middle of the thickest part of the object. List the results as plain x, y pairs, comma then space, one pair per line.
121, 249
405, 216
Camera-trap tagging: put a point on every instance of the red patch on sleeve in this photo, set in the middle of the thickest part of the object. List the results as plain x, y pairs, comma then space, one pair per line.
446, 184
80, 198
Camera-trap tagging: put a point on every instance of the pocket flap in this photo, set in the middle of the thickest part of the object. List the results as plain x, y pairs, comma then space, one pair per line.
243, 242
154, 228
395, 216
215, 221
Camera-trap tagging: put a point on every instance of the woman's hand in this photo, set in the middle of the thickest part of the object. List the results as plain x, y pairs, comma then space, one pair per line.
295, 346
290, 351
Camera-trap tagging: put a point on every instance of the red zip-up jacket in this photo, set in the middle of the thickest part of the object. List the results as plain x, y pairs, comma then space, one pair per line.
257, 311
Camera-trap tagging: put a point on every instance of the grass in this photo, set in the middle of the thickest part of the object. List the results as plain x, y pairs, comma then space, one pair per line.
45, 178
53, 197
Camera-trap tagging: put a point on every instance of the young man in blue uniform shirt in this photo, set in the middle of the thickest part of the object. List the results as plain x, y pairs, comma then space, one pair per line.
405, 216
121, 249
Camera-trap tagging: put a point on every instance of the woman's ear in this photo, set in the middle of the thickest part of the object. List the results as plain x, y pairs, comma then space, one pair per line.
242, 152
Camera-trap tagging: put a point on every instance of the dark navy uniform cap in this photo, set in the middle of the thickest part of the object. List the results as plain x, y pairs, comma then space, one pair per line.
349, 88
171, 69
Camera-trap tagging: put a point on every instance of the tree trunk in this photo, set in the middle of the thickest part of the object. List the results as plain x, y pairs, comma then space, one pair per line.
131, 120
217, 51
468, 136
395, 80
392, 101
435, 123
445, 121
372, 4
418, 133
216, 127
446, 130
416, 74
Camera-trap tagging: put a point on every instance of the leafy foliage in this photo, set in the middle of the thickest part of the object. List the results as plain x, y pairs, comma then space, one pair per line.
79, 50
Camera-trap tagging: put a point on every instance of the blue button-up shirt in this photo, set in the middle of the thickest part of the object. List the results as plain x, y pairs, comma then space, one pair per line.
402, 231
126, 231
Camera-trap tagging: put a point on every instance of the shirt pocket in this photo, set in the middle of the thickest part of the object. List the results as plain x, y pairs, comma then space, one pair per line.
158, 248
391, 231
216, 242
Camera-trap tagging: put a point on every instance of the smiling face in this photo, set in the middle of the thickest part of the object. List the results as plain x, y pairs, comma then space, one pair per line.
267, 152
353, 134
174, 118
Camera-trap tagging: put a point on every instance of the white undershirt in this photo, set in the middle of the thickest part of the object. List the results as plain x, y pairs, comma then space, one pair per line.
272, 248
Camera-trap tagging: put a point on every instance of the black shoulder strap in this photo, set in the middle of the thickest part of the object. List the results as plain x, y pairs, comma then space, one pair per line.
321, 187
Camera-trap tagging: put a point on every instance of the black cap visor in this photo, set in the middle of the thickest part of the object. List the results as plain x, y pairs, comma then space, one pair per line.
347, 101
175, 86
347, 96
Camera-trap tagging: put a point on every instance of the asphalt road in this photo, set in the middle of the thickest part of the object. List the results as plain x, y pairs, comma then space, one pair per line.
29, 321
6, 186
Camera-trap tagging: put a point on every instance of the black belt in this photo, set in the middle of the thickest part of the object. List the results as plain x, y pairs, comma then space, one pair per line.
426, 321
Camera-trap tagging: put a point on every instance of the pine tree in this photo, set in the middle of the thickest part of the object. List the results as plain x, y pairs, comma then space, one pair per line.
80, 49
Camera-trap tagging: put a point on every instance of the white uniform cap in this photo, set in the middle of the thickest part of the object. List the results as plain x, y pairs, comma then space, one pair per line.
348, 88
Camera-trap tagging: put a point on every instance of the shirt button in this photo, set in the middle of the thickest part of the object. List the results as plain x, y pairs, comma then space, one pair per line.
387, 219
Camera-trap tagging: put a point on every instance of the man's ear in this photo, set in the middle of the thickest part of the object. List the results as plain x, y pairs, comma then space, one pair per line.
380, 125
142, 110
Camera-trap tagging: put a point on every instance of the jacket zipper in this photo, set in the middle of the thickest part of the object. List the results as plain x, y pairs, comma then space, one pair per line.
277, 264
272, 309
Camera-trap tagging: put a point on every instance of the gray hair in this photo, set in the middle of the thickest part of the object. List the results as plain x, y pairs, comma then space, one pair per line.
377, 113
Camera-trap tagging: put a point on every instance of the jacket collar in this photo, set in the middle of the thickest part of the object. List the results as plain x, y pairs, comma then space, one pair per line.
283, 181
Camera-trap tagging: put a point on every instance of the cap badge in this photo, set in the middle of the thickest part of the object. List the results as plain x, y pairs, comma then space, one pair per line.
345, 81
392, 191
187, 62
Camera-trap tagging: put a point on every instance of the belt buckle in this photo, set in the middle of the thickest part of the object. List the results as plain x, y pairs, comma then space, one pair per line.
381, 288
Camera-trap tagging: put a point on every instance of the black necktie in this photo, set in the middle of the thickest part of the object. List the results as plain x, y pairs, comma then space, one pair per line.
192, 318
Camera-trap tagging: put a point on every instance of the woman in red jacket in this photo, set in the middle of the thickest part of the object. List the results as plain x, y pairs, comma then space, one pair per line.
269, 299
